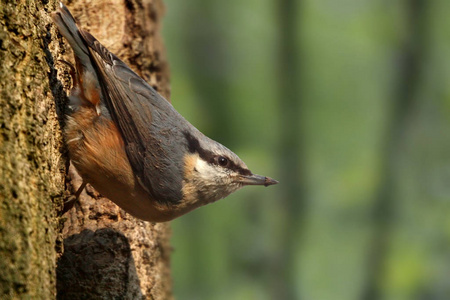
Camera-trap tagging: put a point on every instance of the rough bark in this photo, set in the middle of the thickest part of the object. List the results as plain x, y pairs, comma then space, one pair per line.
107, 253
31, 163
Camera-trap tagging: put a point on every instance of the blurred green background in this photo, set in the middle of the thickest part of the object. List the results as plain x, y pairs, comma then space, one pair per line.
347, 104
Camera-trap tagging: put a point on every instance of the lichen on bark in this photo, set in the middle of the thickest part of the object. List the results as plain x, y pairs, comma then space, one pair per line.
33, 168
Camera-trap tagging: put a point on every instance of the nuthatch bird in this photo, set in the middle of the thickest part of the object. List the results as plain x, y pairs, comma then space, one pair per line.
132, 146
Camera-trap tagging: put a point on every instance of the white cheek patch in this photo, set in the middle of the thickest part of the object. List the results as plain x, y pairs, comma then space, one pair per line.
213, 180
205, 170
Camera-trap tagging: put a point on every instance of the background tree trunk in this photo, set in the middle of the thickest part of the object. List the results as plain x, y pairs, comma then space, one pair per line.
107, 253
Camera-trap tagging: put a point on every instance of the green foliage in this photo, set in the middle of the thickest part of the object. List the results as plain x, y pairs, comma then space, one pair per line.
364, 136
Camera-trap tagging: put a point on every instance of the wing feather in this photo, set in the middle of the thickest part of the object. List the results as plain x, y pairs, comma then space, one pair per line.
133, 105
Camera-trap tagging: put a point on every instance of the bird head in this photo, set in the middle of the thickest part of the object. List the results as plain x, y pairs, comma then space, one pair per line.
212, 171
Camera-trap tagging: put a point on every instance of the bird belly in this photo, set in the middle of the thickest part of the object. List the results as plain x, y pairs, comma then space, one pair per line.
96, 149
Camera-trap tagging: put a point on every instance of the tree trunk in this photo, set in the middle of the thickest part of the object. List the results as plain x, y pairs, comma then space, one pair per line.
31, 164
107, 253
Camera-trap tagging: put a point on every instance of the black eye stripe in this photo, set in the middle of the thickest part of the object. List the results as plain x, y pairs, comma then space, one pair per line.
193, 146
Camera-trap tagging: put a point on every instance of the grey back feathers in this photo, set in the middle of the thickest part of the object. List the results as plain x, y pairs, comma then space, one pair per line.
150, 126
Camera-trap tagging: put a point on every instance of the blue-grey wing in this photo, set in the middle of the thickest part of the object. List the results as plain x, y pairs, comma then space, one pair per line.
145, 120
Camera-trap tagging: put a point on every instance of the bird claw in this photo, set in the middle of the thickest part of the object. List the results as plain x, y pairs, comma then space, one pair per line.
72, 199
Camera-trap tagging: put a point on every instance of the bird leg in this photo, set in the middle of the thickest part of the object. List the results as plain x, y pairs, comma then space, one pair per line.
73, 198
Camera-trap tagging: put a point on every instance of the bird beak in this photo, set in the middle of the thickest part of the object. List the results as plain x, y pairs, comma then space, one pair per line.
254, 179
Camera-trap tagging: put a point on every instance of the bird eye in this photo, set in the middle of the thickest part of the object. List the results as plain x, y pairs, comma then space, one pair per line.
222, 161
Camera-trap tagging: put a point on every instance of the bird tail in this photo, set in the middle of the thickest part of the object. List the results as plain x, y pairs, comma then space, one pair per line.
86, 77
68, 28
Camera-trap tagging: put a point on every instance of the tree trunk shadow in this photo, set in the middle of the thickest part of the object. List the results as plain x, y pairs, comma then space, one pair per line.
97, 265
